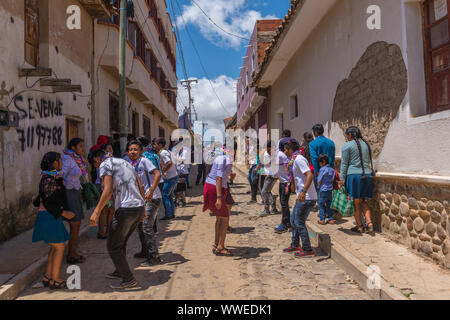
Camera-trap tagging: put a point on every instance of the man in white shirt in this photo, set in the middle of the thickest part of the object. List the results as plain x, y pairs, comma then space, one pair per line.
170, 176
119, 177
306, 200
269, 181
282, 161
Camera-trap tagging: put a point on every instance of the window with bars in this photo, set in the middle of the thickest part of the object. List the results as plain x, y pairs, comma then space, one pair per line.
437, 54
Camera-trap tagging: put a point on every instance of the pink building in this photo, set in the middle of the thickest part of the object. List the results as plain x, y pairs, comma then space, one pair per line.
252, 106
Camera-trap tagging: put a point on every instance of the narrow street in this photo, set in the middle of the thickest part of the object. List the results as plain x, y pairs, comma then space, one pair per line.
259, 269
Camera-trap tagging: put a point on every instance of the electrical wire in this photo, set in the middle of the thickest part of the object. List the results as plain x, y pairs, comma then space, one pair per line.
219, 27
180, 47
201, 61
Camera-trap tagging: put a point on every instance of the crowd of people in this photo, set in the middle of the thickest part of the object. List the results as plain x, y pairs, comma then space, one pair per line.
131, 188
307, 170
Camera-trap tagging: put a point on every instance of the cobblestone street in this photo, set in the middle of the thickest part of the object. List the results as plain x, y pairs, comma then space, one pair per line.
259, 269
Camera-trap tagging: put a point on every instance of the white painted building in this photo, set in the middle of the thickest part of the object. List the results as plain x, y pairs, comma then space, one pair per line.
63, 83
329, 64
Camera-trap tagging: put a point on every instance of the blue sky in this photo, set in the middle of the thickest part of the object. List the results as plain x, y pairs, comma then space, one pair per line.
221, 53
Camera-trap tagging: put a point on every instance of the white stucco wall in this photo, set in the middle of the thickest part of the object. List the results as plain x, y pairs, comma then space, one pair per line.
21, 154
414, 144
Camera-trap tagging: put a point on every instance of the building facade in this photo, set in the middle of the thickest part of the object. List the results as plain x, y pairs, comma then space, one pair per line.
150, 70
251, 106
58, 83
331, 64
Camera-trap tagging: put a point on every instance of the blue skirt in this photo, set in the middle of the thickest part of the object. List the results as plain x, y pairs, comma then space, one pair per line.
359, 188
49, 229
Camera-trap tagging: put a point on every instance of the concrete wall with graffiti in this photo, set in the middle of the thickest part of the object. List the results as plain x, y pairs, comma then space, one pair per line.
42, 113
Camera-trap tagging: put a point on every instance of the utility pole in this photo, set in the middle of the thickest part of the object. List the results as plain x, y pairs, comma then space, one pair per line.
187, 84
123, 112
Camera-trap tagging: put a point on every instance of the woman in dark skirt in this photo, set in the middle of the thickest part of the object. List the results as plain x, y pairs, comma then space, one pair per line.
356, 174
49, 227
75, 171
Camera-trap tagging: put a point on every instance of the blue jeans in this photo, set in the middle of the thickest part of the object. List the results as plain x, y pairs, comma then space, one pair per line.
298, 224
186, 176
167, 196
325, 211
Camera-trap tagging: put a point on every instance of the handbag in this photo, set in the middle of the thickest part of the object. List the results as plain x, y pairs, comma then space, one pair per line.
342, 202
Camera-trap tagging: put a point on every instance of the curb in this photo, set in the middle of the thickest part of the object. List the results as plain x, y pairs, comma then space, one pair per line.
22, 280
351, 264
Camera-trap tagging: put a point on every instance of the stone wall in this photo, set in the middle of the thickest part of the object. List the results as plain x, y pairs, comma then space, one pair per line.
371, 96
416, 215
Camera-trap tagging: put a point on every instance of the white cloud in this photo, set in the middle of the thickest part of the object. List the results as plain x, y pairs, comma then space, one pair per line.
231, 15
206, 103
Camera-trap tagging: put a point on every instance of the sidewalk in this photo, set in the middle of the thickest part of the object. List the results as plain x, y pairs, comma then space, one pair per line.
21, 260
404, 274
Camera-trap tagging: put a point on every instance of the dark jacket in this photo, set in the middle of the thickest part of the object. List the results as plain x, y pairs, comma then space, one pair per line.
52, 192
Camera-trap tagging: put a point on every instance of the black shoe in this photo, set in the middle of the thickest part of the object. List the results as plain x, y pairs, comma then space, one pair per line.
141, 255
151, 262
114, 275
125, 285
168, 218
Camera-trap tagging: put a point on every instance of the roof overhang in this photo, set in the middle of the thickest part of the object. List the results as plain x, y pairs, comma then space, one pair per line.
296, 29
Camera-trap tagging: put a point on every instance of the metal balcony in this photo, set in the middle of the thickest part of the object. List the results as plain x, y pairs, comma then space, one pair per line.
97, 8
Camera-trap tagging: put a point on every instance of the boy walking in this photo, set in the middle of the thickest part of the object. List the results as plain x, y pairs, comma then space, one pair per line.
119, 178
325, 183
300, 173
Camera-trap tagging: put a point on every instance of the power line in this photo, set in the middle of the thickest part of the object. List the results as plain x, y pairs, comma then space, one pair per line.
180, 47
219, 27
200, 59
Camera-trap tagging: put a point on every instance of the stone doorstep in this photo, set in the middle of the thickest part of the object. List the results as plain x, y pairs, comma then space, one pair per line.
11, 289
352, 265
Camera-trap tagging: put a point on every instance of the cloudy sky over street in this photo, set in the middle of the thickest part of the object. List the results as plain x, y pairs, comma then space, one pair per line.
214, 56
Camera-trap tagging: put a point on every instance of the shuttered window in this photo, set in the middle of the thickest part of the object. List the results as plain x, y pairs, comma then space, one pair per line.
31, 31
437, 54
140, 44
131, 34
146, 126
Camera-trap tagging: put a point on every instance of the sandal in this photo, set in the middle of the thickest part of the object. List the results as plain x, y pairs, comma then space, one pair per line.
58, 285
46, 281
357, 229
223, 252
369, 227
80, 259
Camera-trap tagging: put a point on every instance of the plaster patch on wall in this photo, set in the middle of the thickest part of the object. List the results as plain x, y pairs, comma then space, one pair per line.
371, 96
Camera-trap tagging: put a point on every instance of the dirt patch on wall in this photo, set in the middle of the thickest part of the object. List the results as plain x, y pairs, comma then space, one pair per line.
371, 96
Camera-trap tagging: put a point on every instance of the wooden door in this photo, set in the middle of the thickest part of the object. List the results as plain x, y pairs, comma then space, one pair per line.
71, 130
31, 31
